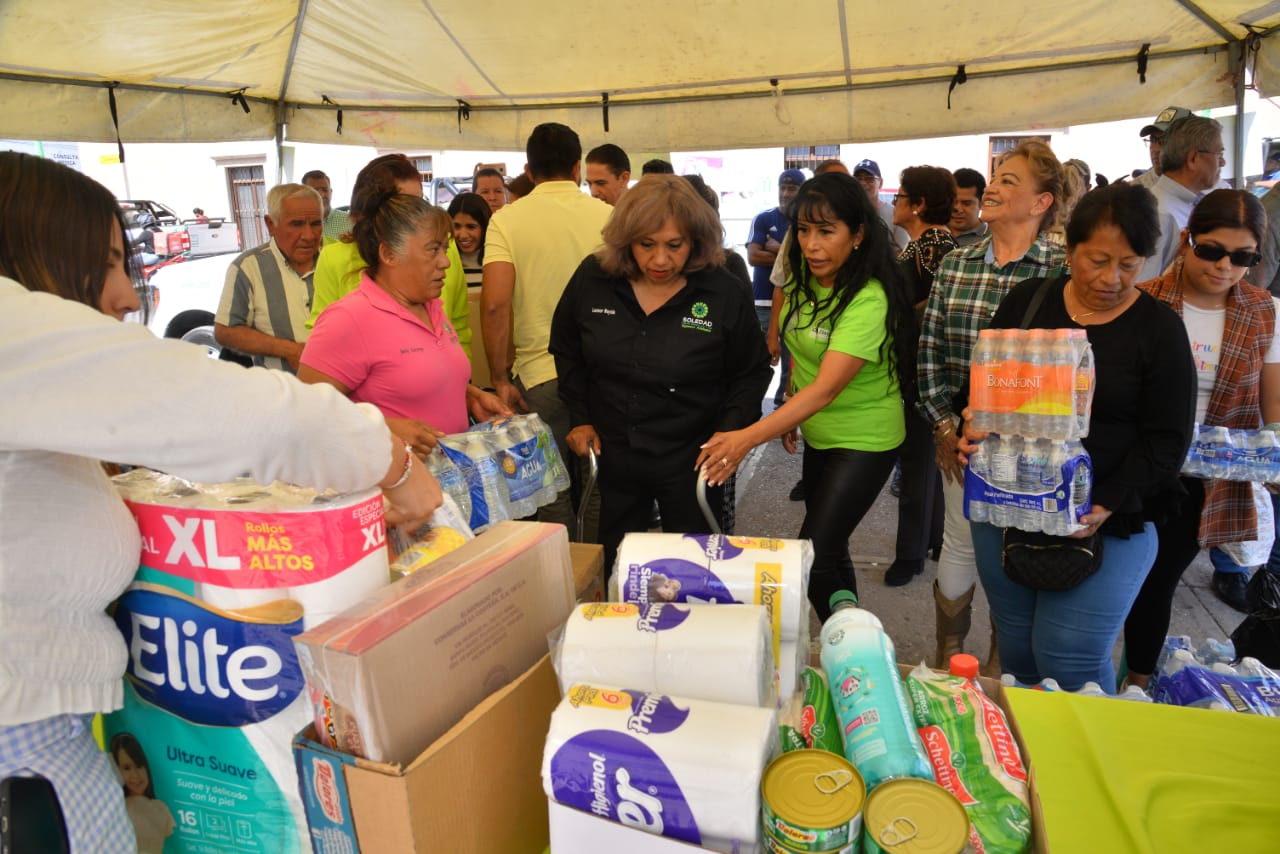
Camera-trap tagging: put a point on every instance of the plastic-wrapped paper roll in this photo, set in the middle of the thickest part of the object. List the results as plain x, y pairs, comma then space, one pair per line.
229, 573
684, 769
714, 569
695, 651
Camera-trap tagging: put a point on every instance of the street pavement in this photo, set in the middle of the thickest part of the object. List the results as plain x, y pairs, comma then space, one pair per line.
907, 612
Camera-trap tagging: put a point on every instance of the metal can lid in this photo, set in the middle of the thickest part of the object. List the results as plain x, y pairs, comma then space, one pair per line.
813, 789
911, 816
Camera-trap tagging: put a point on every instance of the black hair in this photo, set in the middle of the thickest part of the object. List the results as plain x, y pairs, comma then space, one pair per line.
966, 177
1229, 209
552, 151
478, 209
1129, 207
392, 218
313, 175
935, 186
704, 191
612, 156
657, 166
488, 172
837, 195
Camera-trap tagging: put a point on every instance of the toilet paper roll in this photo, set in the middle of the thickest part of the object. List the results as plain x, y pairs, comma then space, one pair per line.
243, 545
684, 769
714, 569
695, 651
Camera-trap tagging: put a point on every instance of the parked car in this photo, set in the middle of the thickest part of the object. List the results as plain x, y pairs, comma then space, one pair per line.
185, 298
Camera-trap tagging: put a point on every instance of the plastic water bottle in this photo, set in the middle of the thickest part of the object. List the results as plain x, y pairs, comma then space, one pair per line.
1008, 374
1217, 450
983, 359
876, 725
1271, 443
1081, 495
1091, 689
1084, 378
1135, 694
1059, 521
1213, 651
1033, 384
1062, 359
1004, 475
1033, 460
980, 466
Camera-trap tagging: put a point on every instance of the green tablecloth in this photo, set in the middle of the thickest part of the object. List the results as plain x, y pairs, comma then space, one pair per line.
1141, 777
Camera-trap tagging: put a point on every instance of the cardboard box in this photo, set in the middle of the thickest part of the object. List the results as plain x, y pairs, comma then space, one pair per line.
588, 571
171, 241
393, 673
475, 789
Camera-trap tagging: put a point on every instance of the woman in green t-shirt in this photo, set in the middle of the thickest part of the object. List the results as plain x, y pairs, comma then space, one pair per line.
848, 325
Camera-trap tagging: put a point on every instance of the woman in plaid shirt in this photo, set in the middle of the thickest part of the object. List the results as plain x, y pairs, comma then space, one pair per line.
1019, 204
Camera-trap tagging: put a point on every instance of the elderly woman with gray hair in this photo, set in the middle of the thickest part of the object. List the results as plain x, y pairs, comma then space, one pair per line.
657, 346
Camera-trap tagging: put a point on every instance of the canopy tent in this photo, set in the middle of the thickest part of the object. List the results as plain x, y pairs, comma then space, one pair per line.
657, 74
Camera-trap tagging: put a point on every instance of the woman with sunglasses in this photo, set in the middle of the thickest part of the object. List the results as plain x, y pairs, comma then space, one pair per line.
1232, 329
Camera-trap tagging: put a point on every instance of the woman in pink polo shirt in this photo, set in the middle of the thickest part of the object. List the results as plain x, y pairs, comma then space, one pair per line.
388, 342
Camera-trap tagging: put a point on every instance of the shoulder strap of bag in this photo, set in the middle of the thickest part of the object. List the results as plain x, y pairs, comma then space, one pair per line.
1037, 299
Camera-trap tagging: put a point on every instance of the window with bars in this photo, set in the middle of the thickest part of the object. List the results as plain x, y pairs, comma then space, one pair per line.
999, 146
808, 156
247, 187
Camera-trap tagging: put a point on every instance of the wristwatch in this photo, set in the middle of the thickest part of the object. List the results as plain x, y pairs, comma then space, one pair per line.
945, 425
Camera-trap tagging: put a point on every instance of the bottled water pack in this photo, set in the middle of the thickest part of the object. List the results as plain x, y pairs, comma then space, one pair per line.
1036, 484
1205, 678
1032, 382
1224, 454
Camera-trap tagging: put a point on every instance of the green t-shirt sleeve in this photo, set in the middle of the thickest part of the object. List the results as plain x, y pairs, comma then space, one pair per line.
325, 282
454, 297
859, 331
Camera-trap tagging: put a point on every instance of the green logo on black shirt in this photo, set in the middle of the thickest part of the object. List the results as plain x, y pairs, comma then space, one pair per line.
698, 320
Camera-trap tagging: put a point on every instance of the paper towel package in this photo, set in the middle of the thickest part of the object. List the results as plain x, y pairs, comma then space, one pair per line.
697, 651
398, 669
684, 769
715, 569
228, 574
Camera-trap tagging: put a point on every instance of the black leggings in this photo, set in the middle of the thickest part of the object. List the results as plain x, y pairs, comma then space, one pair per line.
1148, 621
840, 485
920, 501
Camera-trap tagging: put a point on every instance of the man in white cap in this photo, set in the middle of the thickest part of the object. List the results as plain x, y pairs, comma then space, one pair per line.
1154, 136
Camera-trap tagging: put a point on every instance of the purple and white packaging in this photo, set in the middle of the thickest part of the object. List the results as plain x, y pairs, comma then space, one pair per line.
684, 769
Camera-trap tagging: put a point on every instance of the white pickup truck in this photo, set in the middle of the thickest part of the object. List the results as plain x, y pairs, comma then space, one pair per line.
186, 298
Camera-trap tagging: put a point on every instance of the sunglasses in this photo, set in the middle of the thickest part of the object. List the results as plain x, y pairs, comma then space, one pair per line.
1214, 254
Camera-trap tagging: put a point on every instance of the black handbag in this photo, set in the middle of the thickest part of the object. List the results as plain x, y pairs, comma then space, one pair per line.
1048, 562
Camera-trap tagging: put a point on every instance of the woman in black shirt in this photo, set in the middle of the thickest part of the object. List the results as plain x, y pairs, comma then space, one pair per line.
657, 347
1139, 430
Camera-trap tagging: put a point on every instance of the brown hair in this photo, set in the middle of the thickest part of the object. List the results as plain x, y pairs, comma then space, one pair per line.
377, 179
391, 219
55, 228
644, 208
932, 185
1046, 171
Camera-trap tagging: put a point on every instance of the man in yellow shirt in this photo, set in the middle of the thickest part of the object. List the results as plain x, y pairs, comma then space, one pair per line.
531, 251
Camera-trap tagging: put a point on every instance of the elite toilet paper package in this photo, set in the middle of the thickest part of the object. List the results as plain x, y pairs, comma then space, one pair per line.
684, 769
716, 569
695, 651
213, 691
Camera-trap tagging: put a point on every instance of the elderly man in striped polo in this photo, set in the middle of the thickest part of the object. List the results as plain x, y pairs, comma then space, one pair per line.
267, 296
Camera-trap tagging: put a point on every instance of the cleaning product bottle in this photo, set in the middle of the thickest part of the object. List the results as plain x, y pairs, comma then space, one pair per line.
876, 724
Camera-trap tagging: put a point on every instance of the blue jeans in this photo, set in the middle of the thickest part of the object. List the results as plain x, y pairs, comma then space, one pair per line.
1222, 562
1066, 635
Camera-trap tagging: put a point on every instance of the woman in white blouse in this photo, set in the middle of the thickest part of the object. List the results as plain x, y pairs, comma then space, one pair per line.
80, 388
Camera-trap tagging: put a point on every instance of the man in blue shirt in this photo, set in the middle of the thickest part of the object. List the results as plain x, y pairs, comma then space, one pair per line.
767, 231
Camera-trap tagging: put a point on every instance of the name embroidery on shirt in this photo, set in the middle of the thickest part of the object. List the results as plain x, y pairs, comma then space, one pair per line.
697, 318
607, 311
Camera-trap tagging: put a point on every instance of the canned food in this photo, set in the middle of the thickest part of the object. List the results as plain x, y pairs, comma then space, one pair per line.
812, 802
910, 816
775, 846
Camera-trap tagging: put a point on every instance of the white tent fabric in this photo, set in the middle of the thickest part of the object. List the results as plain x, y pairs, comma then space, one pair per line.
678, 75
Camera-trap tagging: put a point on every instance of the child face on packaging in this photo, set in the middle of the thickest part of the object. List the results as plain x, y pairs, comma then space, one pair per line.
667, 589
136, 778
